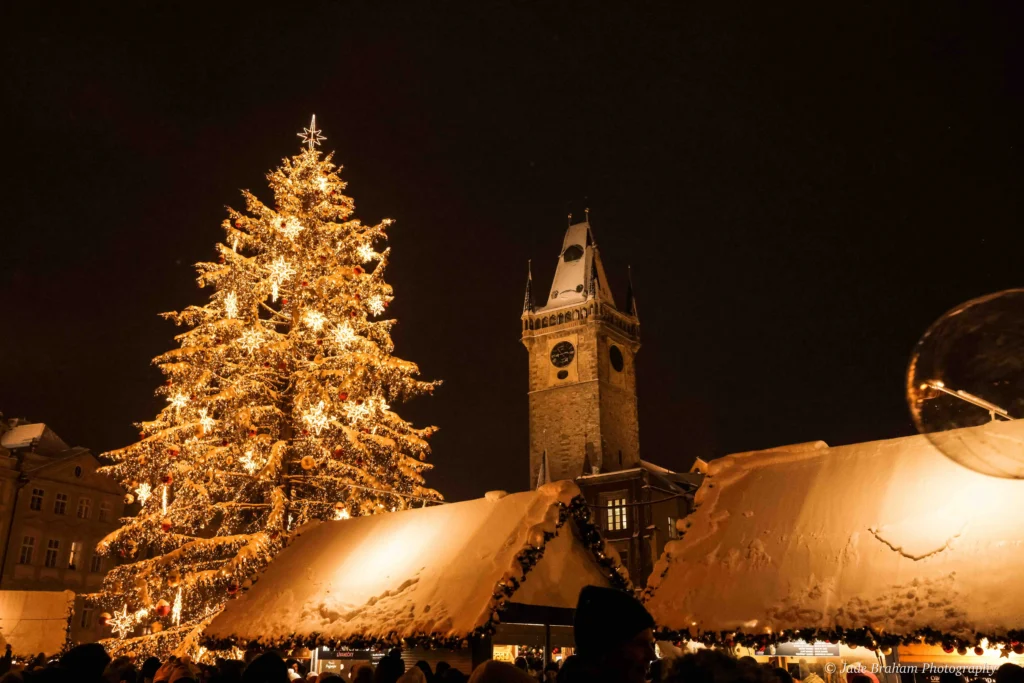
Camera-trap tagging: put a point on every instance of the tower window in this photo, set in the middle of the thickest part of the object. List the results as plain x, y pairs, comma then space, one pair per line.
573, 252
615, 511
615, 356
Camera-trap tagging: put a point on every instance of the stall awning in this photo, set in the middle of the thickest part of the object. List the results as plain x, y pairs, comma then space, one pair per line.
435, 574
35, 621
891, 536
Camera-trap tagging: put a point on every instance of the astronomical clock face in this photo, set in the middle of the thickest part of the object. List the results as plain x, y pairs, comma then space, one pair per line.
615, 356
562, 354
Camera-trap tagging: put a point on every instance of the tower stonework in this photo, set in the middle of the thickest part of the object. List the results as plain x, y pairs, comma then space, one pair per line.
582, 372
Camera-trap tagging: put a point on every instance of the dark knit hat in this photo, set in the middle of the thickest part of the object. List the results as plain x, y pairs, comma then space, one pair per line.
607, 617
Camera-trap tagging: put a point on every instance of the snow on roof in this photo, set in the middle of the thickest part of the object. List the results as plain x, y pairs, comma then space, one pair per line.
888, 535
22, 436
34, 621
430, 573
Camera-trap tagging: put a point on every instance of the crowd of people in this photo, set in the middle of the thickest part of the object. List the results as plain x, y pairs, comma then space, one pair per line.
614, 644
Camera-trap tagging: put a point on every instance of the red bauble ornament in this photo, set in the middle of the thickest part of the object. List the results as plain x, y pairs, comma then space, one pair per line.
172, 452
358, 298
339, 453
165, 525
979, 650
342, 395
233, 588
168, 382
305, 283
167, 479
282, 366
334, 192
353, 314
105, 617
142, 435
305, 432
224, 442
284, 302
386, 304
948, 649
238, 224
1018, 648
319, 342
163, 608
220, 259
252, 432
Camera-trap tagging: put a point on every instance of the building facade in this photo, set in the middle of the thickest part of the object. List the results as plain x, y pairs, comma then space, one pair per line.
584, 423
54, 508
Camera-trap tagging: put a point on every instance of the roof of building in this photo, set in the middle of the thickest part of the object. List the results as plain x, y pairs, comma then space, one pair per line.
44, 440
34, 621
682, 481
579, 274
892, 538
435, 575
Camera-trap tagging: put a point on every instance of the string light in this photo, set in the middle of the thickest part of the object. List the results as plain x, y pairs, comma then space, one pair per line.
122, 623
316, 418
376, 304
163, 500
176, 609
315, 320
366, 253
231, 305
344, 335
143, 492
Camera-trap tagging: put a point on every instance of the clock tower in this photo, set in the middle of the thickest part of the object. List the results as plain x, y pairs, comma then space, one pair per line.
582, 374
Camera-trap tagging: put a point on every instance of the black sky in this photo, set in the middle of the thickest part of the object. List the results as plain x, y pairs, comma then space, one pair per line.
800, 189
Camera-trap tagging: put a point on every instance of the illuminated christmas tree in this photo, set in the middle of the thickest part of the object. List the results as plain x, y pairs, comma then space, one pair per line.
278, 411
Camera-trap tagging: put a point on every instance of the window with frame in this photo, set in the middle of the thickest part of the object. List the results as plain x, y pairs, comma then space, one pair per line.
75, 555
28, 546
96, 563
60, 504
52, 551
673, 532
84, 508
106, 509
36, 502
86, 621
616, 511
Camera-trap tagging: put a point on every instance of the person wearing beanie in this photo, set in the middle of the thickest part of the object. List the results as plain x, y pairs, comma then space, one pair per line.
614, 636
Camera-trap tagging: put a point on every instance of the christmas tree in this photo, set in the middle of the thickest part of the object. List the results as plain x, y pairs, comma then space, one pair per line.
278, 411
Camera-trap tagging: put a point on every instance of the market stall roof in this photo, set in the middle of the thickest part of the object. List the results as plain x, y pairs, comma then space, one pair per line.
34, 621
436, 574
892, 536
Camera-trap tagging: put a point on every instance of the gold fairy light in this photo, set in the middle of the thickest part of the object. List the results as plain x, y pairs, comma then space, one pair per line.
343, 335
163, 500
250, 340
376, 304
311, 136
176, 609
122, 623
316, 418
366, 253
143, 492
314, 320
341, 513
291, 228
231, 305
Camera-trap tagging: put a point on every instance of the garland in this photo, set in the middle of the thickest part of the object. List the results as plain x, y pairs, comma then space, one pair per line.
527, 558
1011, 641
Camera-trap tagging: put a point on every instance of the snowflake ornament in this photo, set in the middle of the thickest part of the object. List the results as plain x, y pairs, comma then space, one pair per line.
316, 418
250, 340
143, 492
366, 253
291, 228
231, 305
315, 320
122, 623
376, 304
343, 335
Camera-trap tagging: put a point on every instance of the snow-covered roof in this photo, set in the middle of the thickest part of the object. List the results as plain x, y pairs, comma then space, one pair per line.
45, 439
892, 536
34, 621
579, 263
428, 573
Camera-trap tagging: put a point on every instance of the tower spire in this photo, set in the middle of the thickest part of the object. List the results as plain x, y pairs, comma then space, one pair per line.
630, 297
528, 298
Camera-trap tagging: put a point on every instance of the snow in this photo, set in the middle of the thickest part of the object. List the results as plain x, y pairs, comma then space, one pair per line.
426, 571
34, 621
570, 282
22, 436
892, 535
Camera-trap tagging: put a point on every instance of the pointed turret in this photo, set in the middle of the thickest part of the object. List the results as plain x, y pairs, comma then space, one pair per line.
630, 296
528, 298
579, 275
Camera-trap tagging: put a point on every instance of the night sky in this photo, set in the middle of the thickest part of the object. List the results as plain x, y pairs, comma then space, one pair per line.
800, 190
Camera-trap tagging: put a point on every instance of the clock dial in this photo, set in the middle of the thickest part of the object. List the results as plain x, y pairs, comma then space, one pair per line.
562, 354
615, 356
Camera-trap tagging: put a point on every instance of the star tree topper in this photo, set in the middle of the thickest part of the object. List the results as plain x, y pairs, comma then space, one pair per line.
311, 136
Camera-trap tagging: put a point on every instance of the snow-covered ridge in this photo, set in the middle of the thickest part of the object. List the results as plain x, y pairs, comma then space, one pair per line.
439, 573
891, 536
